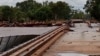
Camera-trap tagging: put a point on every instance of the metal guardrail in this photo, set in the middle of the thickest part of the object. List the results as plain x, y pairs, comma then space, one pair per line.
30, 47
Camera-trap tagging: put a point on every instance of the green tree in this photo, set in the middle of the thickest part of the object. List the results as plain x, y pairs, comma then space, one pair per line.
78, 14
19, 15
28, 7
93, 8
7, 13
1, 14
43, 14
61, 10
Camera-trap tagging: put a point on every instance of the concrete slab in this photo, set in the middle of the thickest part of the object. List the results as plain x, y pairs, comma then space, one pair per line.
13, 31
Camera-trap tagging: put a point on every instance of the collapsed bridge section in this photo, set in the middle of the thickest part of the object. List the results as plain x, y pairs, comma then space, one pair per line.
10, 37
36, 46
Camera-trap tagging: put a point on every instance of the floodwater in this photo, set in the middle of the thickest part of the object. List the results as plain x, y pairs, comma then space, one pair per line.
83, 40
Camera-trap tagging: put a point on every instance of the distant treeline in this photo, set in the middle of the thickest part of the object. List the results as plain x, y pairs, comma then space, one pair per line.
29, 10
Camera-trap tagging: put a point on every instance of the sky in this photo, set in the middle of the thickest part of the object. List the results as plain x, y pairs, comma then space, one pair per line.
78, 4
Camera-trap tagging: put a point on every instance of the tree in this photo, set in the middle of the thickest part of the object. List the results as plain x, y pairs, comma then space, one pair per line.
19, 15
43, 14
1, 14
78, 14
93, 8
61, 10
7, 13
28, 7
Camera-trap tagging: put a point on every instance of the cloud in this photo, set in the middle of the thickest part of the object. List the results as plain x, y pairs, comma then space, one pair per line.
78, 4
9, 2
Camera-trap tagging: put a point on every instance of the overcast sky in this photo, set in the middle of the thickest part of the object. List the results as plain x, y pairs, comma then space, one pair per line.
78, 4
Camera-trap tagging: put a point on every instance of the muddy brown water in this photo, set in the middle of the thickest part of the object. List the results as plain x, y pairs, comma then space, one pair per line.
83, 41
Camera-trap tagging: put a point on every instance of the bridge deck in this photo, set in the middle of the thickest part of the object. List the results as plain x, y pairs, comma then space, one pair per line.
83, 40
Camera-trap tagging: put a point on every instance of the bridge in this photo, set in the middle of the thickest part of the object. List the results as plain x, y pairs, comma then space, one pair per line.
82, 41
